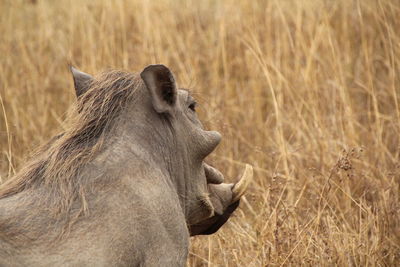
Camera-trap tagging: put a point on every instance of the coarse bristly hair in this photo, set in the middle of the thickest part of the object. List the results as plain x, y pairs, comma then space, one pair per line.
57, 164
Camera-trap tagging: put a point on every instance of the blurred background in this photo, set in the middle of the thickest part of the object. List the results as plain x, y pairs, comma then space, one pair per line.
307, 92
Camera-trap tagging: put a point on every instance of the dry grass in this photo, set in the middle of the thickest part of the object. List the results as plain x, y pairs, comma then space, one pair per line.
306, 91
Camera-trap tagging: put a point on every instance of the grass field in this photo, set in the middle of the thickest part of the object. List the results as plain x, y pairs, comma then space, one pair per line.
306, 91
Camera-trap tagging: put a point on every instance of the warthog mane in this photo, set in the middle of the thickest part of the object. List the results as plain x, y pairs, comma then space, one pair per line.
55, 166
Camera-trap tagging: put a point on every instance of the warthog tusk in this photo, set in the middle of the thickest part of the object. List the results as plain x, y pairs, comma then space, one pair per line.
240, 187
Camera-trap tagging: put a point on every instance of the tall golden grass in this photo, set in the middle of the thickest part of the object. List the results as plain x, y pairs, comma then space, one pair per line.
306, 91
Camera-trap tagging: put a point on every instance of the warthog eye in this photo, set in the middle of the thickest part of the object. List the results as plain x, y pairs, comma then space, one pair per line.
192, 106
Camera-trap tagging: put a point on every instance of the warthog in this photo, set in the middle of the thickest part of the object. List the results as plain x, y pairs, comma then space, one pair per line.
124, 185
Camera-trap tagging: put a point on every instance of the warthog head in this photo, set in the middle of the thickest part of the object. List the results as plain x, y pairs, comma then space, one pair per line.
162, 126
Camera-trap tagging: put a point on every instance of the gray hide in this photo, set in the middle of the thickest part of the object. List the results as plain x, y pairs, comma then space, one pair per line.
144, 193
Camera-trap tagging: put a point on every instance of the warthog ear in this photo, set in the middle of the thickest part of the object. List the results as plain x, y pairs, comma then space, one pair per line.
81, 81
160, 81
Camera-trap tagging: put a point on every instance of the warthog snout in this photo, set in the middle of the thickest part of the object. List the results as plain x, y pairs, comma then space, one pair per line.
223, 197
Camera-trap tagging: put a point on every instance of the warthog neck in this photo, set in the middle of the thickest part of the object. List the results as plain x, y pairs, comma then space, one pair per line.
155, 139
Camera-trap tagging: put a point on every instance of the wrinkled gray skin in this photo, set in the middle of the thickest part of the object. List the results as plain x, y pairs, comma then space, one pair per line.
162, 191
